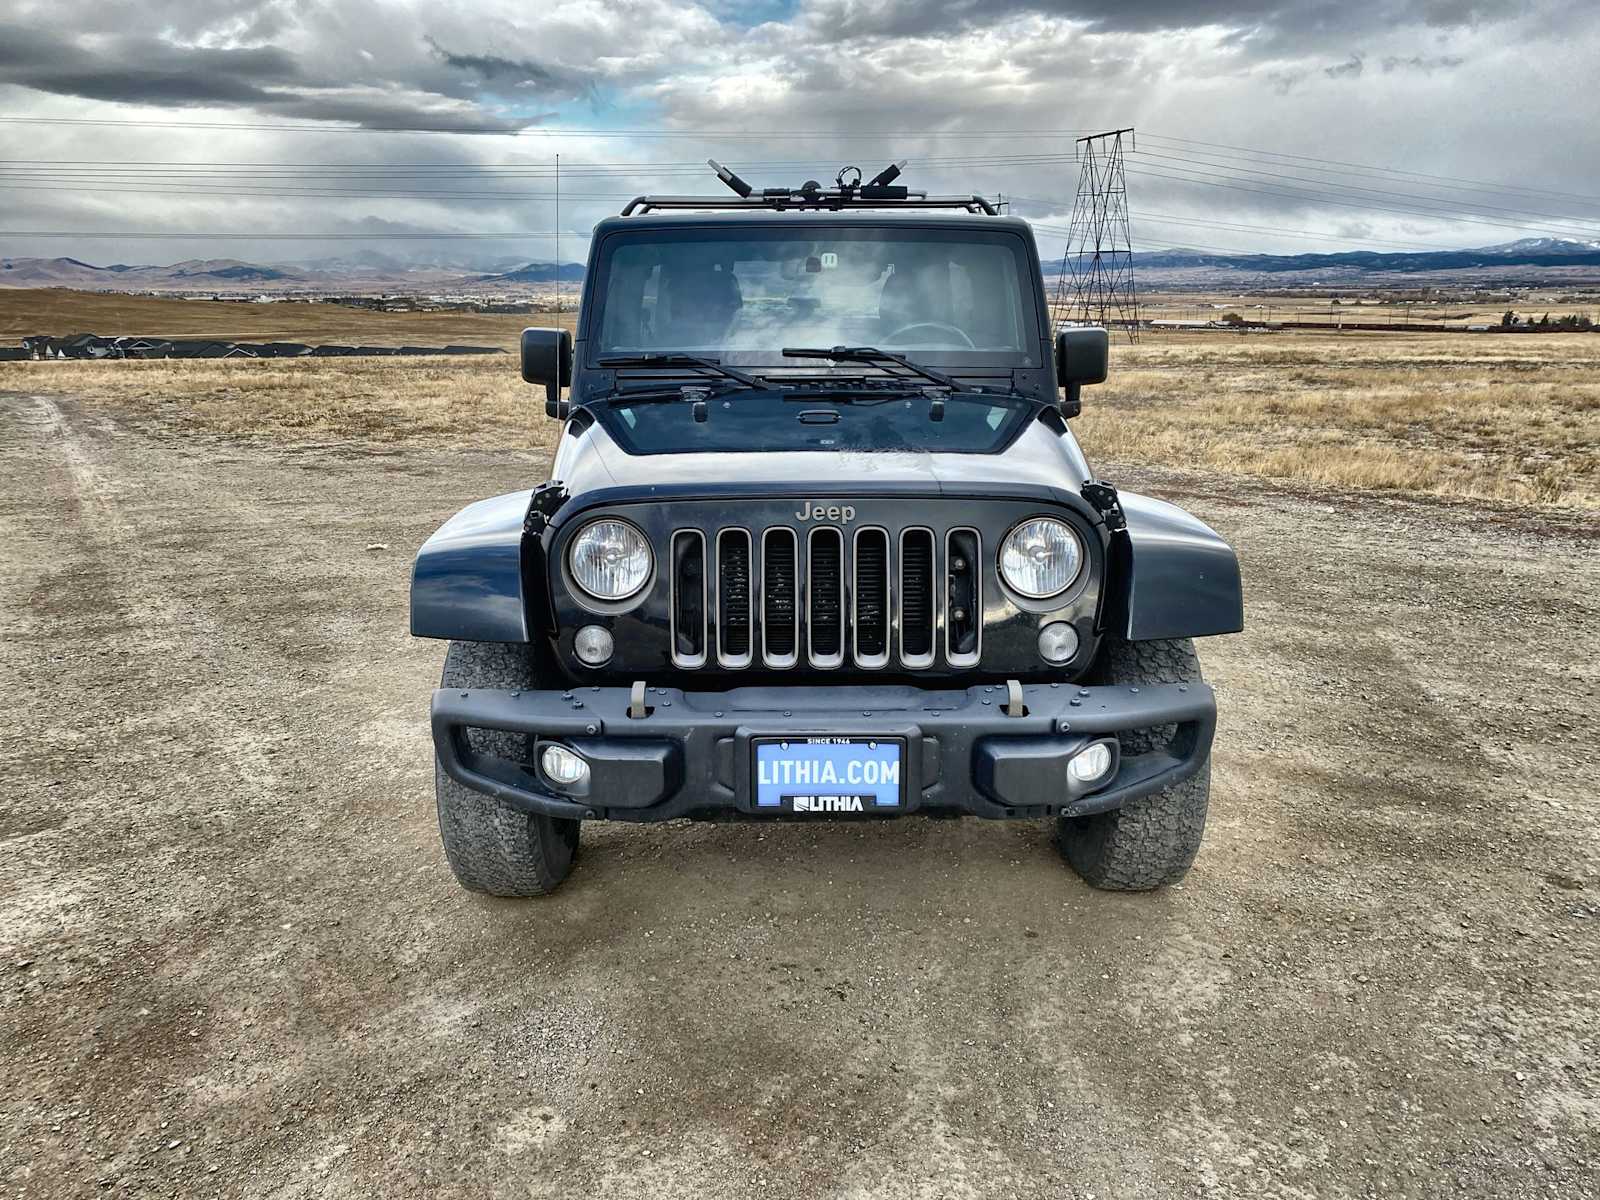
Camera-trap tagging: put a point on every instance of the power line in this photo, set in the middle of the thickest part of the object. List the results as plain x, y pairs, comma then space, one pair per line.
1472, 183
394, 181
277, 237
1173, 218
313, 193
1311, 197
745, 134
696, 165
545, 130
1409, 197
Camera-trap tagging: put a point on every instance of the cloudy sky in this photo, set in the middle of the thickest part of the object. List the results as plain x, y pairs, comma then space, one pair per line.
152, 130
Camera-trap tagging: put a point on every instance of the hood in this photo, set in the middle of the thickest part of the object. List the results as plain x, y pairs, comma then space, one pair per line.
595, 469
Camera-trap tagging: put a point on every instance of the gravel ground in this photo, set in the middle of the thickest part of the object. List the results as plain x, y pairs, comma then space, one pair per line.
233, 961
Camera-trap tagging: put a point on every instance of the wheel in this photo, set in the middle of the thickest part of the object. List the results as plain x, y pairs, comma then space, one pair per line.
1151, 841
493, 847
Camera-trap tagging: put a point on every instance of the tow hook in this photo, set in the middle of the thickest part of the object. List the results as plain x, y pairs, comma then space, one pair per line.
1014, 705
636, 705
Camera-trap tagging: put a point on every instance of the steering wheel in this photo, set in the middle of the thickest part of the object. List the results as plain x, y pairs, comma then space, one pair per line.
940, 325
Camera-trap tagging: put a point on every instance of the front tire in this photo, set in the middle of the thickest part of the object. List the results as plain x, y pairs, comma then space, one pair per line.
491, 846
1152, 841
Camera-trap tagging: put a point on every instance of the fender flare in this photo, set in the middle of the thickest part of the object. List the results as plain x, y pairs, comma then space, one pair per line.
1176, 578
467, 581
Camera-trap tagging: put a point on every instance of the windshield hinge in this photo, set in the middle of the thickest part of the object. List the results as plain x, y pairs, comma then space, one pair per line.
1102, 497
547, 498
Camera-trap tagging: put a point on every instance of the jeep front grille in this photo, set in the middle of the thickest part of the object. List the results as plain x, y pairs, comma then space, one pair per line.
868, 598
734, 607
780, 597
872, 598
916, 597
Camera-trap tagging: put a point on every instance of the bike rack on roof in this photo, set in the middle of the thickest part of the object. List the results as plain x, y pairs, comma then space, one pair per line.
878, 193
829, 200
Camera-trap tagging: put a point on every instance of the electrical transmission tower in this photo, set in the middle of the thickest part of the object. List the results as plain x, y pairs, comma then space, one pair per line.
1099, 257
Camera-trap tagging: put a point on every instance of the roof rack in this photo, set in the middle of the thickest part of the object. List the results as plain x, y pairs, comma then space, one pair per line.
879, 192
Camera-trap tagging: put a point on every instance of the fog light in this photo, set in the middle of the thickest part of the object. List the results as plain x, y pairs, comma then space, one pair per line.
1091, 764
592, 644
1058, 642
565, 767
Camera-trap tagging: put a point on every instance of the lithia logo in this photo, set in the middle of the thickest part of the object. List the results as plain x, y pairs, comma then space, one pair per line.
812, 511
827, 804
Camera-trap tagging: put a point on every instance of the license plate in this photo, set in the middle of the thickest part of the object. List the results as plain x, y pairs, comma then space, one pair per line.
829, 774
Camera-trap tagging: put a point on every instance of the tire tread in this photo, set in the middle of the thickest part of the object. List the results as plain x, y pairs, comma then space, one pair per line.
491, 846
1152, 841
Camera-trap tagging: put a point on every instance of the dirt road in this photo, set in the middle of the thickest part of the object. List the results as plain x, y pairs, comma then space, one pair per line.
234, 962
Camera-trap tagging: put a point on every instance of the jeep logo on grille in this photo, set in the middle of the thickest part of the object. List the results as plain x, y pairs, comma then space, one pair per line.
844, 513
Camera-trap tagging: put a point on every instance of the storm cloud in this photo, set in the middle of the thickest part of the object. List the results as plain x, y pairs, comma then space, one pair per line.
1248, 114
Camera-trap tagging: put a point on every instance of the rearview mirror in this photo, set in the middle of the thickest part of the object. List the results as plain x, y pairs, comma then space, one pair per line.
1083, 356
547, 359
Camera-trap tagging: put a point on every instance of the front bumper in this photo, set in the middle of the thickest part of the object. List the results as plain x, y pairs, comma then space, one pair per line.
691, 754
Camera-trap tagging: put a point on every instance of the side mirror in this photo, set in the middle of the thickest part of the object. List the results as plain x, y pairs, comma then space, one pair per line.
1082, 356
547, 359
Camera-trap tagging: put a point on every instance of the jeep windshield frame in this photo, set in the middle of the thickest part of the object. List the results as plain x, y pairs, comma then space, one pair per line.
971, 305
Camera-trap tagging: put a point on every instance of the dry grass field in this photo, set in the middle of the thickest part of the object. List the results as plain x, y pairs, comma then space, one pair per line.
1470, 415
1424, 304
1480, 416
61, 311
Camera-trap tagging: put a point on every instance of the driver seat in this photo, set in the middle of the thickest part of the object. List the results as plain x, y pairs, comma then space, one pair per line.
914, 295
699, 301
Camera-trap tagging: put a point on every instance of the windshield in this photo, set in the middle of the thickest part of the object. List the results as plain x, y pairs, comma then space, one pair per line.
776, 420
742, 294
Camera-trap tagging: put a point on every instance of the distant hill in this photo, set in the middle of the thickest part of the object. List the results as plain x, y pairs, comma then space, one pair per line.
195, 272
363, 270
1544, 245
538, 272
1529, 252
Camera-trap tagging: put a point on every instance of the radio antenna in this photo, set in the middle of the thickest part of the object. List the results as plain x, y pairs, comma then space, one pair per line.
558, 279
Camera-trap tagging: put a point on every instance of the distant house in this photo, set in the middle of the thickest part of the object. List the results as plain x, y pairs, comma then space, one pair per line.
199, 349
15, 354
87, 345
276, 349
140, 347
472, 350
332, 351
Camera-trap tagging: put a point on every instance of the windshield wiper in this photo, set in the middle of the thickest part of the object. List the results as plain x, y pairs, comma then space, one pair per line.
672, 359
871, 354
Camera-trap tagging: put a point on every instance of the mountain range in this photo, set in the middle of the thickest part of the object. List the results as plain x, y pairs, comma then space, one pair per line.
1560, 254
194, 273
1526, 260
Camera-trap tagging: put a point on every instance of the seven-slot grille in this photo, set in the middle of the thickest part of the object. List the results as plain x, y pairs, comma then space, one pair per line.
825, 596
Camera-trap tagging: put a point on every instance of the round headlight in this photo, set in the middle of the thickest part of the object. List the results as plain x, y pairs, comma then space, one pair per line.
1041, 557
610, 560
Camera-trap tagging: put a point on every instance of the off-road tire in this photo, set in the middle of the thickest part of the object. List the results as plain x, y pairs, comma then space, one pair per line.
493, 847
1151, 841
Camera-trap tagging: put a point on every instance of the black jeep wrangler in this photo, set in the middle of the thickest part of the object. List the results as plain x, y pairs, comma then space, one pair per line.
819, 541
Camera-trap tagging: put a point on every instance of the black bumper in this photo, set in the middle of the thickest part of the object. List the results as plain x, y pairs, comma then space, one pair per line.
691, 755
